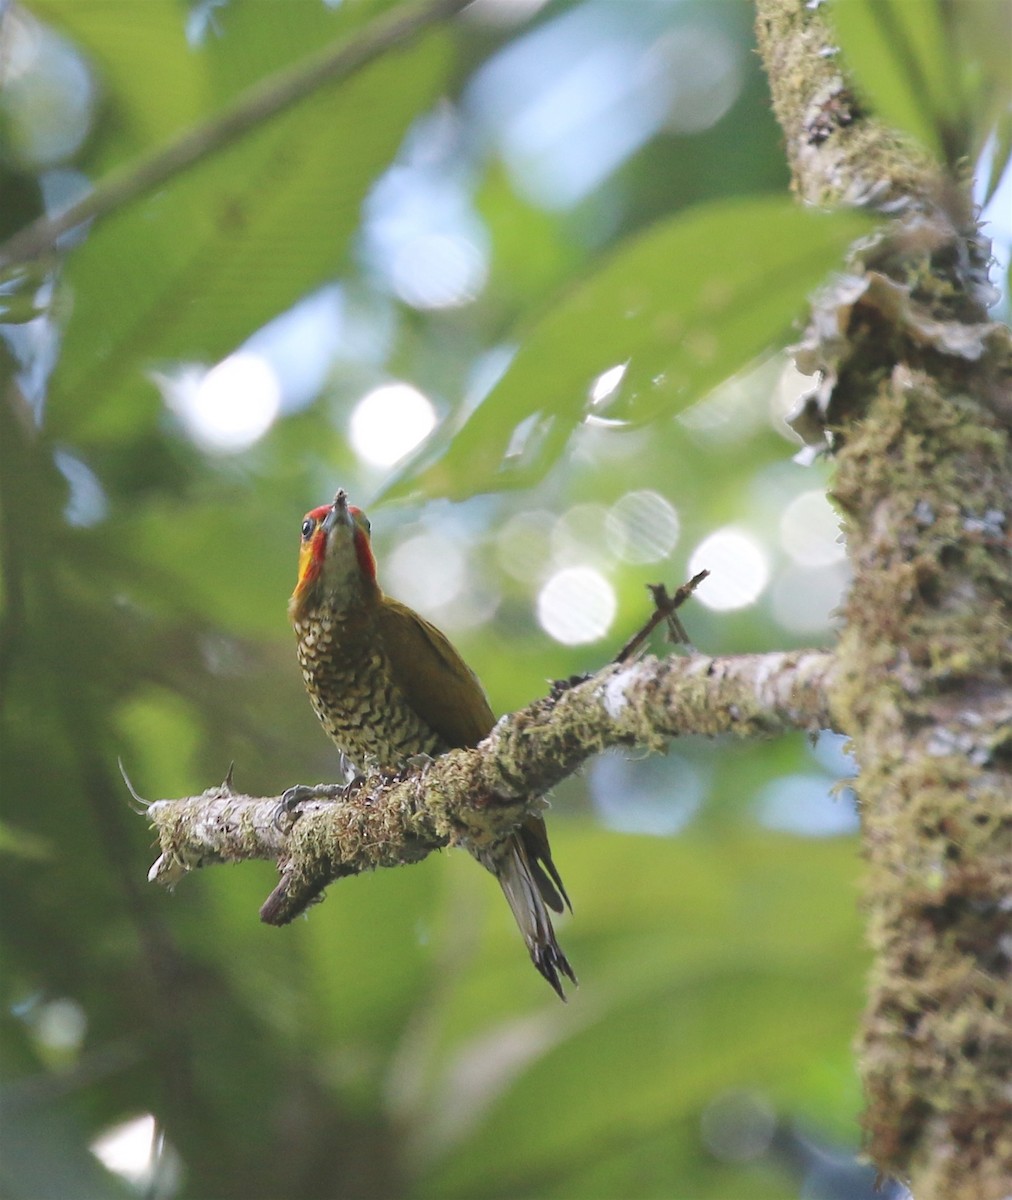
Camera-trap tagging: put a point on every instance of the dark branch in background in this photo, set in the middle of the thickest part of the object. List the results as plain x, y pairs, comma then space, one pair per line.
257, 104
479, 796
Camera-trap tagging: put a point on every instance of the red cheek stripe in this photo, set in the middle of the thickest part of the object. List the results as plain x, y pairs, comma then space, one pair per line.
319, 550
314, 562
363, 552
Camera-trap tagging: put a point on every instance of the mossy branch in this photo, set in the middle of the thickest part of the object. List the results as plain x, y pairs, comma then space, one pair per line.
477, 797
838, 152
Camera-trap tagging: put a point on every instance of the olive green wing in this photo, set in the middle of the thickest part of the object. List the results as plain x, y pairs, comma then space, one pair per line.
435, 680
444, 691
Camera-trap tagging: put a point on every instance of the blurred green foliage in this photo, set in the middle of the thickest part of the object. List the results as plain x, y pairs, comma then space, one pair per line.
396, 1042
937, 71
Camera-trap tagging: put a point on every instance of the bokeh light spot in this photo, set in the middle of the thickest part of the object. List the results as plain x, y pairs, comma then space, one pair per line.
87, 503
138, 1152
47, 98
738, 570
807, 806
729, 413
655, 795
389, 422
438, 270
228, 408
642, 527
834, 753
804, 598
427, 570
61, 1025
576, 605
810, 530
522, 545
576, 536
607, 383
706, 74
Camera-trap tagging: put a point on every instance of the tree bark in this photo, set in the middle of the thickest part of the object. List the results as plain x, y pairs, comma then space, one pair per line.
913, 395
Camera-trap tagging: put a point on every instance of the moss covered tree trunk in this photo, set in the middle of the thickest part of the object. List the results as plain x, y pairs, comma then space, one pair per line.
913, 394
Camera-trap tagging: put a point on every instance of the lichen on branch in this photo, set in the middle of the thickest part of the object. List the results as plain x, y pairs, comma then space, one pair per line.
478, 797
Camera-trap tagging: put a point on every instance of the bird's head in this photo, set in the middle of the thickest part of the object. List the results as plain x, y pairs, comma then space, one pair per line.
336, 565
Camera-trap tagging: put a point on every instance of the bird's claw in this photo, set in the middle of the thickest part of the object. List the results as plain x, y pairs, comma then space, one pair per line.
299, 793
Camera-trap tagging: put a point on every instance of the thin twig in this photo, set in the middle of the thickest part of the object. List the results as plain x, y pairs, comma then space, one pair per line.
665, 607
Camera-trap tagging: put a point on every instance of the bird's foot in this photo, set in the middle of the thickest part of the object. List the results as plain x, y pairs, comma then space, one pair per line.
413, 765
559, 687
382, 774
301, 792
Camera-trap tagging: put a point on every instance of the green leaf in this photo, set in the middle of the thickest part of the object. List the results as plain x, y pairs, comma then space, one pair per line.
1000, 158
937, 70
274, 34
897, 51
684, 305
193, 270
532, 253
158, 82
153, 81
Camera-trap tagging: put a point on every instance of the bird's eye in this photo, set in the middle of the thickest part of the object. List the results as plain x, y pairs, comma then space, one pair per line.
308, 525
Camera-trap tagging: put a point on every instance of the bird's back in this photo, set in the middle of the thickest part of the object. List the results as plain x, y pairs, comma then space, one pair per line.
432, 677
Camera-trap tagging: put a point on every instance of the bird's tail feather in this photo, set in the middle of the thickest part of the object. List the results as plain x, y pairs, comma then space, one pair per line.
527, 888
534, 836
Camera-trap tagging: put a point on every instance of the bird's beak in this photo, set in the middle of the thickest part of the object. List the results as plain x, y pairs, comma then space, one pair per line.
338, 514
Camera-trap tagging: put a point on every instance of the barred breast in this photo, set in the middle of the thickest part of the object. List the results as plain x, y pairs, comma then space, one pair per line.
352, 689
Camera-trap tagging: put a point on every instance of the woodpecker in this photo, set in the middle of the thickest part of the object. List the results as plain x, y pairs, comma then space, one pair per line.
387, 686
